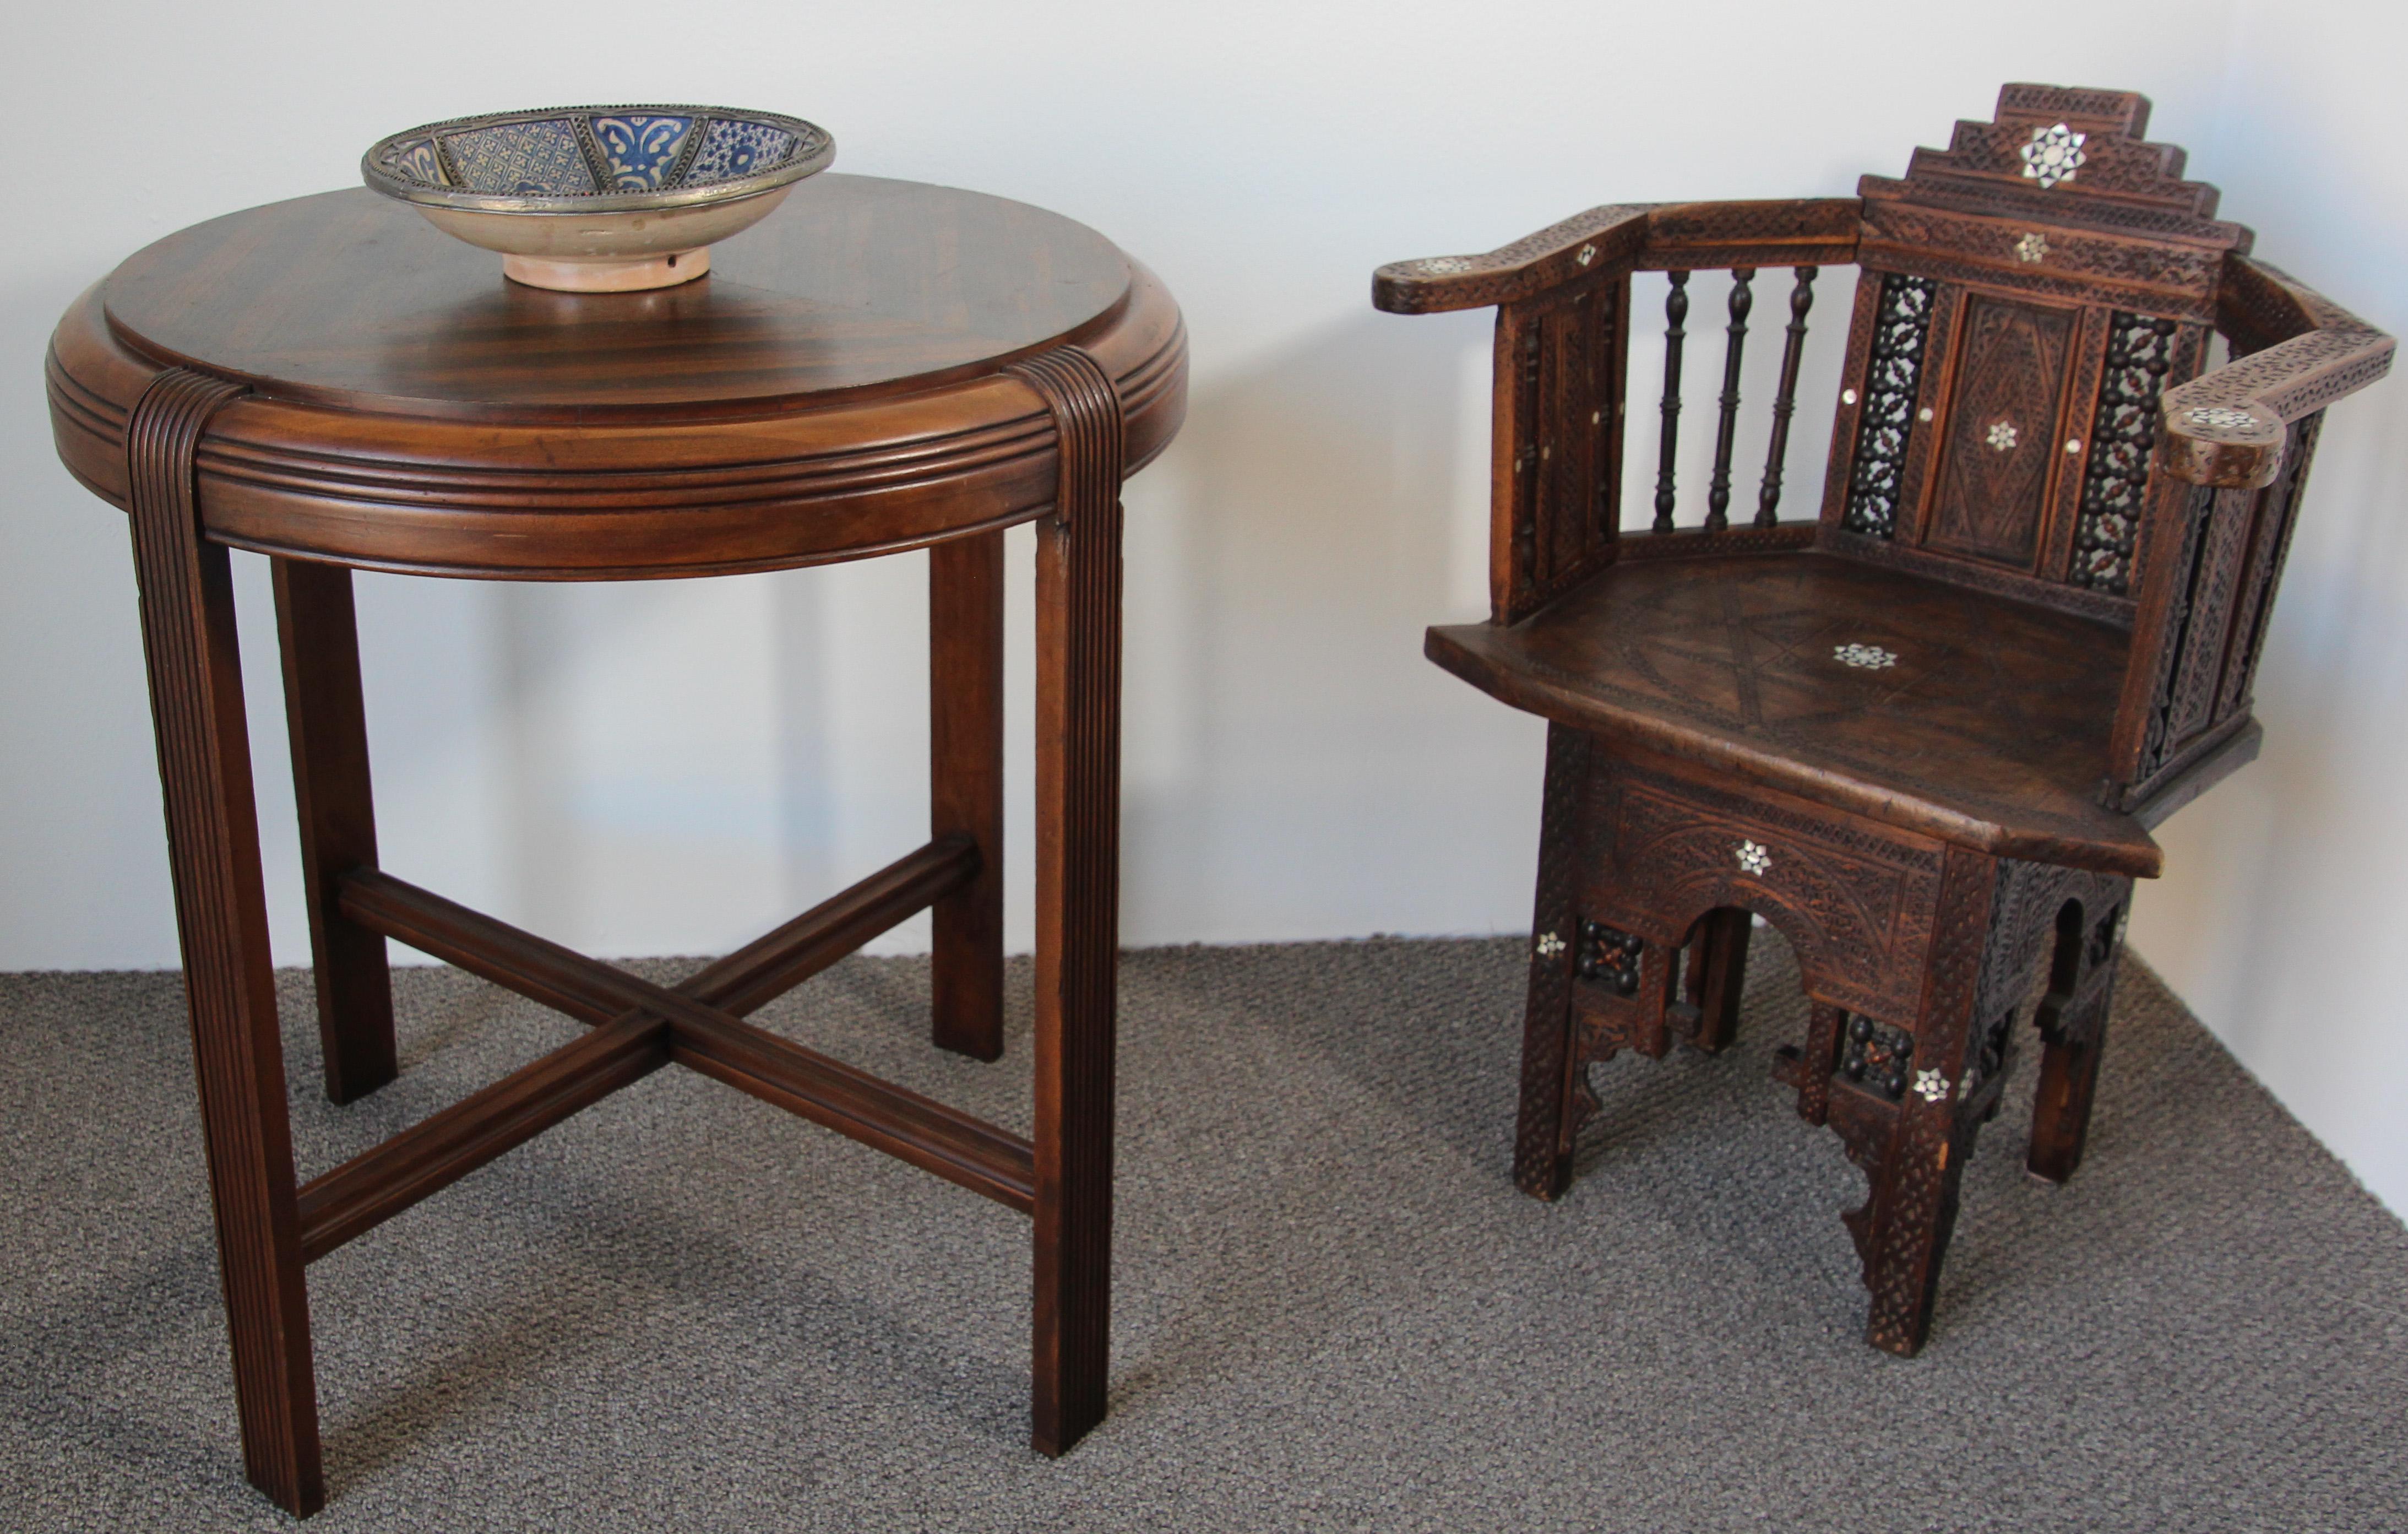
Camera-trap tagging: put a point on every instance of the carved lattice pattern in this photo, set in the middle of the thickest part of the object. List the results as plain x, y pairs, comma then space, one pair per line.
2114, 486
1892, 373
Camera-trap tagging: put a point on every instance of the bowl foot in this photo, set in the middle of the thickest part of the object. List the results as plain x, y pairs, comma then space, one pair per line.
611, 275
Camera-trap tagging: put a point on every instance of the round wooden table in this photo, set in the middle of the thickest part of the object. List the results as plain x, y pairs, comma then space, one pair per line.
879, 367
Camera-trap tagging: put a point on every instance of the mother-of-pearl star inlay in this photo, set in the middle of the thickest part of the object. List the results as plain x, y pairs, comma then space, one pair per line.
2002, 435
2054, 155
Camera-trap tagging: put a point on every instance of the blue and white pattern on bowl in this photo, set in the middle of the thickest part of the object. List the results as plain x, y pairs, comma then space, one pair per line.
417, 161
640, 150
538, 159
734, 150
599, 199
578, 158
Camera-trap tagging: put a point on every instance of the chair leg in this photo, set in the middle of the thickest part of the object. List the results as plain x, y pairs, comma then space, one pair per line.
1717, 969
186, 589
1914, 1148
318, 634
2072, 1022
1077, 863
1902, 1231
965, 782
1543, 1138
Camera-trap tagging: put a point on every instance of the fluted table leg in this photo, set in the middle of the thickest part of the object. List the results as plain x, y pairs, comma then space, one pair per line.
195, 670
1078, 896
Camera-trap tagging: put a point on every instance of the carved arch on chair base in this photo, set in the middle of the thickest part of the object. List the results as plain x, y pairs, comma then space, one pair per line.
1917, 959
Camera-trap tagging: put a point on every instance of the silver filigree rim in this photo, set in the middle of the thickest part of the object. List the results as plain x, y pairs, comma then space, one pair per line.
815, 152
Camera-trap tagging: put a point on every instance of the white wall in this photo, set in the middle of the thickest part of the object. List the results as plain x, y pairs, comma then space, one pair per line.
669, 768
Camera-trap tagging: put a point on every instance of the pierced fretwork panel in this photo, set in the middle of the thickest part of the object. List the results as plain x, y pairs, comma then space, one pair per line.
1882, 403
2224, 558
2123, 436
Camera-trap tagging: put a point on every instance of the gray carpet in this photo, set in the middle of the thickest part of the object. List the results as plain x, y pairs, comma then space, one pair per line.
684, 1311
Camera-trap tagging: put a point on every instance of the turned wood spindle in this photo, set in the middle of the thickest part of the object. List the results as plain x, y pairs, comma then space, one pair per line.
1784, 399
1676, 308
1718, 489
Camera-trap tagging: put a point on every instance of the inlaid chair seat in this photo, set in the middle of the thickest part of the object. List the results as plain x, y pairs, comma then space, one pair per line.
1873, 690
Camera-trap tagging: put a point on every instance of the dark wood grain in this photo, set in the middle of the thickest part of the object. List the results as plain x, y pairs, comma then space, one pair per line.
1727, 421
879, 367
317, 635
804, 412
2001, 450
186, 588
1784, 398
903, 1124
352, 300
1927, 736
438, 1151
965, 786
1990, 727
1668, 445
1718, 971
1077, 896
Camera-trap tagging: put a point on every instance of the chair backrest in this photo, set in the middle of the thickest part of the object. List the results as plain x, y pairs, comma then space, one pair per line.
2023, 407
2027, 295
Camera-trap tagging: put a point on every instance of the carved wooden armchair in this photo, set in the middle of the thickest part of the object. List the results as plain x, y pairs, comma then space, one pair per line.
1926, 734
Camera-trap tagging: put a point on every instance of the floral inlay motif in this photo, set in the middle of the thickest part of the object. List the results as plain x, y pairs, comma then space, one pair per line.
1550, 945
2001, 435
1752, 858
1867, 657
1442, 266
640, 150
2223, 417
2054, 155
1930, 1085
731, 151
2032, 247
417, 161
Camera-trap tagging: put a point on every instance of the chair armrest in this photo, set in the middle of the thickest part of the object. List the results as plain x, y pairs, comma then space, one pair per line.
1613, 234
1797, 232
2226, 428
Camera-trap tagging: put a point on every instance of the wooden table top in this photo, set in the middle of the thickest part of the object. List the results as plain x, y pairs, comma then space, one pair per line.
837, 386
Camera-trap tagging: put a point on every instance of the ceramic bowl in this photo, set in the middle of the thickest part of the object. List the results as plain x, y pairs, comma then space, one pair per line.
599, 199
